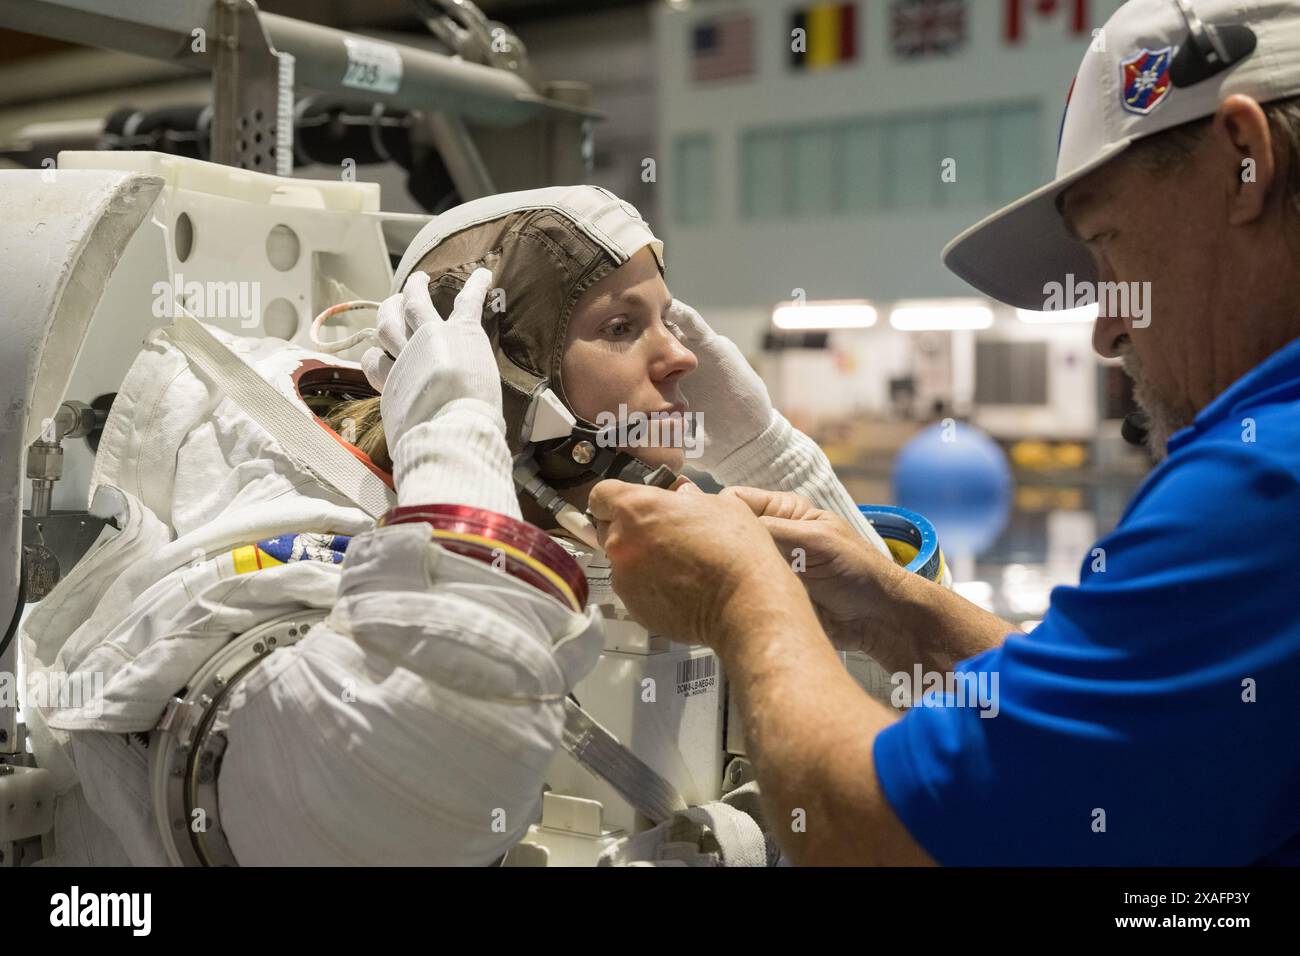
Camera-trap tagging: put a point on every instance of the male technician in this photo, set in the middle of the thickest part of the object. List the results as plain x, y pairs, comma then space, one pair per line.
1151, 717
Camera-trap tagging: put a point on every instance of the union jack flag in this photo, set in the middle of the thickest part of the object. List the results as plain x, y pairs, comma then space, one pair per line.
924, 27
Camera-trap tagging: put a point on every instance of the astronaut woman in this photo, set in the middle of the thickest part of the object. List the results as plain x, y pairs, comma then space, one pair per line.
414, 724
580, 307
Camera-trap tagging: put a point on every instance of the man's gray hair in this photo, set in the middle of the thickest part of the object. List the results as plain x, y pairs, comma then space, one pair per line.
1168, 150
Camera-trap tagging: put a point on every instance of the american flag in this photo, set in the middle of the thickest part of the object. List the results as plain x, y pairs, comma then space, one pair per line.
722, 48
922, 27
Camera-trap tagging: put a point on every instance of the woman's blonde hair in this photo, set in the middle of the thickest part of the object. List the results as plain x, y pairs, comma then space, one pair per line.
360, 423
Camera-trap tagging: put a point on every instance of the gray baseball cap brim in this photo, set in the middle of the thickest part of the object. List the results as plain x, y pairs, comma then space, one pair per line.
1015, 253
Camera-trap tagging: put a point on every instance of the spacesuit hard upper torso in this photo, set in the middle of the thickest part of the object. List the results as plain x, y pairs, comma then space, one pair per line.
413, 725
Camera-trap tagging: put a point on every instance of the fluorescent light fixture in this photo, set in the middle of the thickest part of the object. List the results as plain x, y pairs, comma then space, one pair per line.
846, 314
940, 315
1087, 313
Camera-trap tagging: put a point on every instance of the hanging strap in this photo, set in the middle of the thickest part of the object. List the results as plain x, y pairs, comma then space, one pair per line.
304, 441
614, 762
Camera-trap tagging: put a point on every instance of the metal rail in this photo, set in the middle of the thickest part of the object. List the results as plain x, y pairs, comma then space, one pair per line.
324, 57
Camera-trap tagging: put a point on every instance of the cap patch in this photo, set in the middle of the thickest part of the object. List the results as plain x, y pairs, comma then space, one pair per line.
1146, 81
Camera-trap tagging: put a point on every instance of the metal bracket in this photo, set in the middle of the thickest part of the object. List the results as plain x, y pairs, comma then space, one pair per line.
26, 802
252, 93
464, 29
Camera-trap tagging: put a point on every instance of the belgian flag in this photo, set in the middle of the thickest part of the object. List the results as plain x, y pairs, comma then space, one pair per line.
829, 36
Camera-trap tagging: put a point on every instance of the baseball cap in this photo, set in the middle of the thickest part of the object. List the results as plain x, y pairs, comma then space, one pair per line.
1155, 65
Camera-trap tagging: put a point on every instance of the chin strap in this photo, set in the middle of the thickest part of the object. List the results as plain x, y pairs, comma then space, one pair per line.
605, 463
565, 452
586, 454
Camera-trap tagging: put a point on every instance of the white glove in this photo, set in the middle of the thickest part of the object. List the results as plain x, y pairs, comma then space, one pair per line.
726, 393
441, 400
437, 362
747, 441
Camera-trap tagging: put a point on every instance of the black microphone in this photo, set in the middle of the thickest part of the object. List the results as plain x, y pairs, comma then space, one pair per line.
1134, 430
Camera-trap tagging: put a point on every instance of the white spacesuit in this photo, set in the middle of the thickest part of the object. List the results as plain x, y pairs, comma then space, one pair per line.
412, 726
415, 720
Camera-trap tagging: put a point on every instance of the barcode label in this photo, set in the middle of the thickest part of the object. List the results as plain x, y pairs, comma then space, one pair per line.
696, 675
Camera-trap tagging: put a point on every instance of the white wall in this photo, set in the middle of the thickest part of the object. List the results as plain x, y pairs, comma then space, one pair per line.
732, 262
736, 269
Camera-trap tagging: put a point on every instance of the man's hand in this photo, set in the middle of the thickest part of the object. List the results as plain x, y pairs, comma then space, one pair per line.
702, 568
846, 577
865, 601
688, 565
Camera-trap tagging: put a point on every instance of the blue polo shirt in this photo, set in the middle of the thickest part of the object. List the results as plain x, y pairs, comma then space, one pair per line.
1153, 717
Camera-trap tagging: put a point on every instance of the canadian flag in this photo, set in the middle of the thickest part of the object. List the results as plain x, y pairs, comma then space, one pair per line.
1018, 11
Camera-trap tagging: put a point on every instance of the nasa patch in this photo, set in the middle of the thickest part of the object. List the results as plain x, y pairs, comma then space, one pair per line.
1146, 82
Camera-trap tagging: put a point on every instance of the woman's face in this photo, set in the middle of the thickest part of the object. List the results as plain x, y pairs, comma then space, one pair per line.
620, 351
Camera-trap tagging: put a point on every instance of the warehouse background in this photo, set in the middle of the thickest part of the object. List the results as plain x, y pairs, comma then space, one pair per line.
814, 153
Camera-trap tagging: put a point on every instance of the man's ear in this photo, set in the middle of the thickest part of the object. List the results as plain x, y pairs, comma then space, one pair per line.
1242, 127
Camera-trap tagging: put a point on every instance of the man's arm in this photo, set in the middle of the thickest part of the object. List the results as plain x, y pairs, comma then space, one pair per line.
915, 621
703, 568
810, 731
865, 601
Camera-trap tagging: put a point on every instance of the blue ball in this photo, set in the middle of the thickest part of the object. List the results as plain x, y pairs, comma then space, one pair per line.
960, 479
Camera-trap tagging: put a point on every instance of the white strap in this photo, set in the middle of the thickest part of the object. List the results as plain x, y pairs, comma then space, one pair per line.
305, 442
